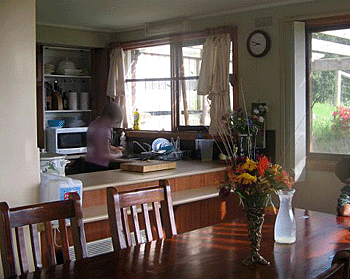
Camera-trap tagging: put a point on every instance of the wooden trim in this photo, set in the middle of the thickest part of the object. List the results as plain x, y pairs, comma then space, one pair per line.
322, 165
99, 80
321, 161
335, 21
40, 98
157, 134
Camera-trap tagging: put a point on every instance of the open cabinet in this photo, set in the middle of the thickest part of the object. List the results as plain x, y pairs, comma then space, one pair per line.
71, 86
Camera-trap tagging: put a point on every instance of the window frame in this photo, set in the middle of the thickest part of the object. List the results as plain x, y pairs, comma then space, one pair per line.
185, 39
312, 26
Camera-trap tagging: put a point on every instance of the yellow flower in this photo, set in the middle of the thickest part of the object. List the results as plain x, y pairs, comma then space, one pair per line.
246, 178
249, 165
275, 169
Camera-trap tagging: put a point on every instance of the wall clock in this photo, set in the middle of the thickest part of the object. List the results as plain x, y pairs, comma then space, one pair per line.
258, 43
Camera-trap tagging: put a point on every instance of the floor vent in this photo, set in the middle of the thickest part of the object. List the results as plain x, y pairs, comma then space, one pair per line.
103, 246
94, 248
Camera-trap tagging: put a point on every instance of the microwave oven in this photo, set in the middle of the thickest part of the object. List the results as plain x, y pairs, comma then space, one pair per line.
66, 140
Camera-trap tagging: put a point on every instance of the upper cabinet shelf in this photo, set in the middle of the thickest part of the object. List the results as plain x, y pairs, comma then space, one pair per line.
65, 76
68, 111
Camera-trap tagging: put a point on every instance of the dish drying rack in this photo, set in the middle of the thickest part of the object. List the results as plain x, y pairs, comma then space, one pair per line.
170, 152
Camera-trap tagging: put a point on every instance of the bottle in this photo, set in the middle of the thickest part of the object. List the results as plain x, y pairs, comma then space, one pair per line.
65, 100
123, 140
136, 120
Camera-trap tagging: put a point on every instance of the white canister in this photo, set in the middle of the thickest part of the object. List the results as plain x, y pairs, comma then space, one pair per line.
84, 100
73, 101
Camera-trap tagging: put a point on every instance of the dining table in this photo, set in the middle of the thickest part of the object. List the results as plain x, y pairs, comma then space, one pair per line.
217, 251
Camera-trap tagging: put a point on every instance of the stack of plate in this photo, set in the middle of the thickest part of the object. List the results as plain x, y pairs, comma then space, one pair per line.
49, 69
73, 72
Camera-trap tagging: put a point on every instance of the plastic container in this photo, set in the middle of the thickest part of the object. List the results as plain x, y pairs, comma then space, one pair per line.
84, 100
206, 149
73, 100
55, 188
58, 123
123, 140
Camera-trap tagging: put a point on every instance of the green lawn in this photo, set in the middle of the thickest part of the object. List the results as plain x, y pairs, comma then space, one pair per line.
326, 139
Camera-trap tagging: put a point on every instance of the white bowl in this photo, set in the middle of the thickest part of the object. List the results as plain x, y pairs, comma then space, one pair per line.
65, 65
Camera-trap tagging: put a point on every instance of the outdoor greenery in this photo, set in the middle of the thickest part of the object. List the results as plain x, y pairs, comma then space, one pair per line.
330, 127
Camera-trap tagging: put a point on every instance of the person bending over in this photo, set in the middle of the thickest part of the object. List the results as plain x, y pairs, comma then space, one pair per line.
100, 152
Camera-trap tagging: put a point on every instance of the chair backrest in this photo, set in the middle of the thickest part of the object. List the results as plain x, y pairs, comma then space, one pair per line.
125, 205
340, 267
38, 217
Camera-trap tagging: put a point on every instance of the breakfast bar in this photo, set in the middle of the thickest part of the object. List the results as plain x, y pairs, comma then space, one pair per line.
194, 185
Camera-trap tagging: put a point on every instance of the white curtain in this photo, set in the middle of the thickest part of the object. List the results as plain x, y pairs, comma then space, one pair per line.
116, 80
214, 78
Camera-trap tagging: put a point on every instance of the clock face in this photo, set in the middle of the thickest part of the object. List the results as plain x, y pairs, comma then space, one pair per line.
258, 43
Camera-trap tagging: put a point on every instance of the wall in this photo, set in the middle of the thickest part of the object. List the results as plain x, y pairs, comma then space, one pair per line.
260, 81
19, 164
71, 37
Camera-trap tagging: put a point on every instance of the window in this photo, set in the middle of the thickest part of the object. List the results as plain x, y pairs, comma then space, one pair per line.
329, 61
161, 83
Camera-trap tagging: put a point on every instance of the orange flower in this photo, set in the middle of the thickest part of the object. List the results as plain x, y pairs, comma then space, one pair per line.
263, 165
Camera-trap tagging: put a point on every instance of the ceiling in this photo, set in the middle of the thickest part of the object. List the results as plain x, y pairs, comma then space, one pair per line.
118, 15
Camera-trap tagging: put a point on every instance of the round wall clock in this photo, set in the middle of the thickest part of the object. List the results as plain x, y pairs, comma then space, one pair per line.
258, 43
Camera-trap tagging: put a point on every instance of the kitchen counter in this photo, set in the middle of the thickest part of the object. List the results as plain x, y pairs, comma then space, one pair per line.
102, 179
194, 186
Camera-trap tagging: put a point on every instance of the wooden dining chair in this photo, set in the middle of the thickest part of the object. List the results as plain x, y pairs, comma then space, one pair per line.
340, 267
125, 205
32, 216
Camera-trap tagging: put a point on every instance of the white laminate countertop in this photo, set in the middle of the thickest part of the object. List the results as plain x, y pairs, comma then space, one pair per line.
102, 179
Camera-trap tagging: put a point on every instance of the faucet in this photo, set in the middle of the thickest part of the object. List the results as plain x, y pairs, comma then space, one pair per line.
137, 143
148, 145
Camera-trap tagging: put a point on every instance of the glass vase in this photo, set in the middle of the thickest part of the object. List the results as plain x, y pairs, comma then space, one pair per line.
245, 145
285, 227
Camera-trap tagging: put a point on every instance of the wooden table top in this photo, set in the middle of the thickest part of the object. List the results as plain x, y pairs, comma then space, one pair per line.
217, 252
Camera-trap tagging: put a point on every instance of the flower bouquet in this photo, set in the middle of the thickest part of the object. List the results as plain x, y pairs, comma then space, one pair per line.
254, 181
245, 123
238, 123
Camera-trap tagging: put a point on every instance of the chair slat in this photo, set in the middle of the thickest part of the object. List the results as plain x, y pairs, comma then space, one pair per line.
21, 250
140, 197
136, 223
50, 244
148, 228
64, 239
126, 227
77, 228
114, 213
168, 211
34, 239
156, 209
